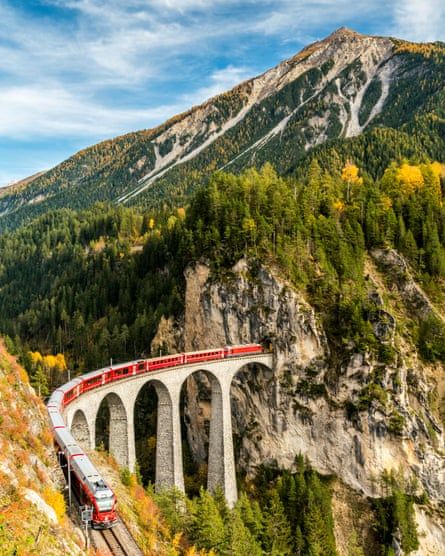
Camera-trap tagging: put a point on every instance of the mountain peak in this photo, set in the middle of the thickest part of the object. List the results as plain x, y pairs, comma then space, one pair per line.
336, 88
344, 32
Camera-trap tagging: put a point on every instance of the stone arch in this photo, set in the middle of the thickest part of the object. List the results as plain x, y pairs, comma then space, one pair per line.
80, 429
166, 464
220, 471
117, 428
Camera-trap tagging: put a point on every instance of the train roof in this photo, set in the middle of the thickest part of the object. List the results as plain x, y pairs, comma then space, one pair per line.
56, 398
241, 345
74, 449
85, 468
65, 438
56, 418
92, 374
68, 385
203, 351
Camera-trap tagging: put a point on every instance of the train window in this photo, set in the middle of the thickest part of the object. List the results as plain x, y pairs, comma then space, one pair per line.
105, 504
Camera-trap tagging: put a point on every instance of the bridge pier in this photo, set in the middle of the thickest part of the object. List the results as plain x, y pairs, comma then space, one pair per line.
221, 464
119, 442
131, 439
169, 471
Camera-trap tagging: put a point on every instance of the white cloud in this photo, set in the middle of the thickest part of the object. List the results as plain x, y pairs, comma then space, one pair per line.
56, 112
419, 20
305, 18
63, 76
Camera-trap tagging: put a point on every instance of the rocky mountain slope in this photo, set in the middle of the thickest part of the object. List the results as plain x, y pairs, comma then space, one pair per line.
32, 510
367, 422
345, 273
336, 89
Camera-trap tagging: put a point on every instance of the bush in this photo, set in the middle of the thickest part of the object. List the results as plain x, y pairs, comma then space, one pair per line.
396, 423
56, 500
432, 339
127, 478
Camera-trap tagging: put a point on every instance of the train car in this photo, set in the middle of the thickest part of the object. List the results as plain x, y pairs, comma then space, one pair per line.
208, 355
92, 490
91, 381
240, 350
87, 484
71, 390
165, 362
117, 373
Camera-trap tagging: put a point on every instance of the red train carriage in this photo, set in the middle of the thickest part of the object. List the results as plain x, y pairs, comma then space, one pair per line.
88, 486
199, 356
246, 349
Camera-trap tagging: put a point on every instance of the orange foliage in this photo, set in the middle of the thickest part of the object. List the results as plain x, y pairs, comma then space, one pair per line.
425, 49
56, 362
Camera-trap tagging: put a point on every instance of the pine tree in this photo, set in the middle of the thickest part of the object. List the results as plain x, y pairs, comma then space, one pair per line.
277, 537
240, 541
207, 528
251, 515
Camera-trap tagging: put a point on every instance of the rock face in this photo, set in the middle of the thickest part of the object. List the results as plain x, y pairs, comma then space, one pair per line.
299, 408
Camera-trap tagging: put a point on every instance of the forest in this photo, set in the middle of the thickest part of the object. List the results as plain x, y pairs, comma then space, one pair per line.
81, 288
93, 285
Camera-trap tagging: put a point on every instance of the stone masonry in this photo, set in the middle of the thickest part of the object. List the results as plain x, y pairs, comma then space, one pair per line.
121, 396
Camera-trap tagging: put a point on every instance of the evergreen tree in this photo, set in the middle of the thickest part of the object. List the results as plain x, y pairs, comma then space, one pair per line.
207, 527
240, 541
277, 537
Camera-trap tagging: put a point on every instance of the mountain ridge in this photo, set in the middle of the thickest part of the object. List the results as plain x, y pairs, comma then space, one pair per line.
333, 89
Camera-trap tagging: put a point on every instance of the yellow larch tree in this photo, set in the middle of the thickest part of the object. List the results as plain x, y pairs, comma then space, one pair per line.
410, 178
350, 175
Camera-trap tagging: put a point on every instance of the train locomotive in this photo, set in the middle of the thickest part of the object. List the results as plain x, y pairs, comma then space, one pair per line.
86, 481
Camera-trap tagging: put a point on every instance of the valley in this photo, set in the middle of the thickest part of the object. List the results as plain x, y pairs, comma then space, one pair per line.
303, 210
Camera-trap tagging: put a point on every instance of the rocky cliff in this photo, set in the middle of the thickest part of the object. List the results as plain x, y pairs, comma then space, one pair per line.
356, 420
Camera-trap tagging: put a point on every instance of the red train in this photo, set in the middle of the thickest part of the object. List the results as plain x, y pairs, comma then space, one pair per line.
89, 487
100, 377
86, 481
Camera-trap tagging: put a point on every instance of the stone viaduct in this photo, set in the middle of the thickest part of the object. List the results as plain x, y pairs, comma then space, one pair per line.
80, 415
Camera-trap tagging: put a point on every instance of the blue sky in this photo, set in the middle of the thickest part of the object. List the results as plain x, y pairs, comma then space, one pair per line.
74, 72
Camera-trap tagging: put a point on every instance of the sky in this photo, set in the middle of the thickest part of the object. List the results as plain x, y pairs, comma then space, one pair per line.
75, 72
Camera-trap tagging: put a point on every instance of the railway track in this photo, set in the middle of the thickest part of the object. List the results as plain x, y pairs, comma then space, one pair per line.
115, 544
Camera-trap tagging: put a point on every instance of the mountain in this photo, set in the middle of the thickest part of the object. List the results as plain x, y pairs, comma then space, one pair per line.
372, 98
